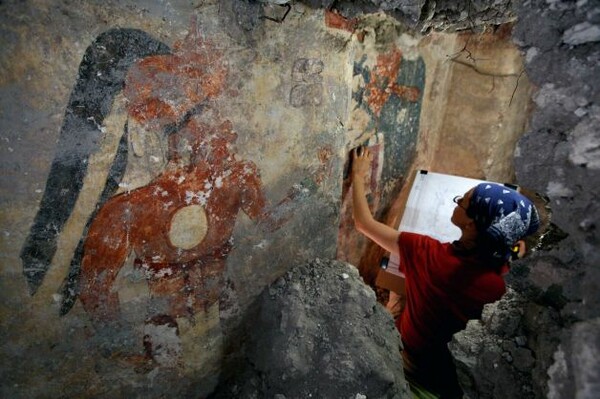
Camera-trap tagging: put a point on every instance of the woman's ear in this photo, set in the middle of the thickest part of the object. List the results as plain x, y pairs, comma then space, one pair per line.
471, 225
522, 248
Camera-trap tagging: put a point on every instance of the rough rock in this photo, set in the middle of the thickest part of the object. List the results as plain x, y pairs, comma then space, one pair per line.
423, 15
496, 357
546, 343
576, 363
318, 331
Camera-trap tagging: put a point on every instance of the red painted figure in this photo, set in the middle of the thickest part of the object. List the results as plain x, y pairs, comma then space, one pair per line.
383, 82
180, 225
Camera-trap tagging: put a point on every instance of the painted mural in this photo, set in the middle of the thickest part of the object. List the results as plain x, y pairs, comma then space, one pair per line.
101, 76
387, 103
178, 226
391, 96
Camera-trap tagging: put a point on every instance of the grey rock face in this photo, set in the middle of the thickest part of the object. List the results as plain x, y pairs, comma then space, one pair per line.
543, 342
319, 332
496, 357
577, 361
445, 15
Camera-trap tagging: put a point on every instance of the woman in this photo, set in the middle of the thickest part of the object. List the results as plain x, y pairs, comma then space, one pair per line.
447, 283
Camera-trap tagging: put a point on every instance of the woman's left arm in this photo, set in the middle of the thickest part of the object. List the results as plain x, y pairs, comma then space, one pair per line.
383, 235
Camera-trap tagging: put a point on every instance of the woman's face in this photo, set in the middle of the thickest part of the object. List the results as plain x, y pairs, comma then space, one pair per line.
459, 216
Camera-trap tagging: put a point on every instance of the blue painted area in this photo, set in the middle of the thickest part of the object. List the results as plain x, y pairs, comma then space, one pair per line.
360, 69
400, 136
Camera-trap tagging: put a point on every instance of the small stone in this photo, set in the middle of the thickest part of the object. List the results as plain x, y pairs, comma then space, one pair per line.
280, 283
532, 52
582, 33
587, 225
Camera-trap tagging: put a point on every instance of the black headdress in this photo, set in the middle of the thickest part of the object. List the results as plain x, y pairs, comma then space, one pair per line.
101, 77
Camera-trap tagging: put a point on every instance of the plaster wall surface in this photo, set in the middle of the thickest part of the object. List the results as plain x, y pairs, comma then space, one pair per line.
486, 107
159, 324
298, 95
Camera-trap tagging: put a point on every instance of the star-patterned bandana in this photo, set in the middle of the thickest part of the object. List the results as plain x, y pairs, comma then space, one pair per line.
503, 215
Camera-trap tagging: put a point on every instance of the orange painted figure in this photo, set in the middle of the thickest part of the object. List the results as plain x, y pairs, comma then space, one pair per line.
179, 225
383, 82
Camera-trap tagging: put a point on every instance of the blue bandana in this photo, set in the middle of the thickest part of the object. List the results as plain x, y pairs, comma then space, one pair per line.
503, 215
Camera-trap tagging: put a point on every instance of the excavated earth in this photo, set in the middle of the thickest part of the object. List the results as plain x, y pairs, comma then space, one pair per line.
317, 332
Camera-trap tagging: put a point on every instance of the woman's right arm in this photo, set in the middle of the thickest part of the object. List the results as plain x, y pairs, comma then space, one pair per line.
384, 235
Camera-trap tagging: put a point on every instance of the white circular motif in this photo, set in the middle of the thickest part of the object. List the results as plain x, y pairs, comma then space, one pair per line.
188, 227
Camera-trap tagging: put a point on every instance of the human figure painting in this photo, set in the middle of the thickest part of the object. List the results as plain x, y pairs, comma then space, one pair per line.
178, 227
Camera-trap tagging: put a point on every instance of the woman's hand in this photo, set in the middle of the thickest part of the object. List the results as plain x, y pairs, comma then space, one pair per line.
361, 163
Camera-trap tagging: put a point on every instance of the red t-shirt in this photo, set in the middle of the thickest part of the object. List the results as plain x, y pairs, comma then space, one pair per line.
444, 288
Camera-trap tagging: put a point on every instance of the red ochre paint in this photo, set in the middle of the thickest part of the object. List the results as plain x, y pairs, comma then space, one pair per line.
337, 21
383, 82
139, 221
160, 90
